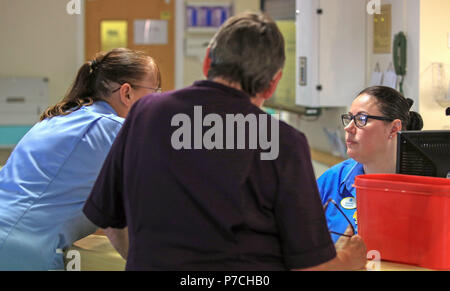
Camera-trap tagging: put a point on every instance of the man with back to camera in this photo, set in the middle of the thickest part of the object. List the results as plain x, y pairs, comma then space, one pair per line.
187, 205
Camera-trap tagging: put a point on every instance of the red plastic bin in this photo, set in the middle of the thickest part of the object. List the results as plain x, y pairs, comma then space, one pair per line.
405, 218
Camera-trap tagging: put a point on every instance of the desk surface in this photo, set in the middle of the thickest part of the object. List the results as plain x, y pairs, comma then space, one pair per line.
97, 254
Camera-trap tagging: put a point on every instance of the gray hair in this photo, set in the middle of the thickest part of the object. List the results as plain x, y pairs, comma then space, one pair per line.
248, 49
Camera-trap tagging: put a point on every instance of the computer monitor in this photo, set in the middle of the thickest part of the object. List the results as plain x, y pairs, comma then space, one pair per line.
424, 153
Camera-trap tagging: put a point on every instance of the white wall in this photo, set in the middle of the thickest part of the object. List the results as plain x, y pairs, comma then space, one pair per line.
426, 24
39, 38
434, 29
406, 18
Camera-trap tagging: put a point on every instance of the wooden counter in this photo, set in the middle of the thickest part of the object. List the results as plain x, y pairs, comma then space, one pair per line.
325, 158
97, 254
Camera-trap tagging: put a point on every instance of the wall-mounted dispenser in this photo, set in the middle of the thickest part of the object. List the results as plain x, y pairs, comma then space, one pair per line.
331, 46
22, 100
441, 83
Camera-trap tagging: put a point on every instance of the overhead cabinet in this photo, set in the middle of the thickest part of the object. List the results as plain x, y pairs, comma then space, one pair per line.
330, 52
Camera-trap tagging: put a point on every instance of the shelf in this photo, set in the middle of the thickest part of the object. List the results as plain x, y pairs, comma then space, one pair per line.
209, 4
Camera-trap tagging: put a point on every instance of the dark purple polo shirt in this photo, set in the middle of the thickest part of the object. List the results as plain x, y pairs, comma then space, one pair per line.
205, 209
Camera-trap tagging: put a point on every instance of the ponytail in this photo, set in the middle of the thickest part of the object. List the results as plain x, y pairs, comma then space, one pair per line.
80, 94
94, 78
415, 121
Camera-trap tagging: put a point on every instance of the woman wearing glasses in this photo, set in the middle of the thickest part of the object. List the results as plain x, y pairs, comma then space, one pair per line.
371, 127
50, 173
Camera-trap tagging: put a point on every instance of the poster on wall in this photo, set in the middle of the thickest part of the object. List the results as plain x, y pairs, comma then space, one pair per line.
150, 32
382, 30
114, 34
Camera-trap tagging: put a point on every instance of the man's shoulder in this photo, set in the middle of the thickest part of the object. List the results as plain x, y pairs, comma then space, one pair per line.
290, 136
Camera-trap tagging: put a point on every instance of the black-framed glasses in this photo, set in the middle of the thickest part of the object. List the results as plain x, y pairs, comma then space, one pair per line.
325, 206
361, 119
157, 90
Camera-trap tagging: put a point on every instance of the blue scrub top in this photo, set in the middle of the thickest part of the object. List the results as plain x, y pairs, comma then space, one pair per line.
337, 184
45, 183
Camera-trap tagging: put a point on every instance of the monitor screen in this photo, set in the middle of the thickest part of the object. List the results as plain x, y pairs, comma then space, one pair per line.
424, 153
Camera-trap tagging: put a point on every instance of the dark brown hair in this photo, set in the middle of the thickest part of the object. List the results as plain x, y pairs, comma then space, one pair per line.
394, 105
95, 78
248, 49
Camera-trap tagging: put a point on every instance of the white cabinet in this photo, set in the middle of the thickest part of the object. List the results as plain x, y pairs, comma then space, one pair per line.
331, 52
22, 100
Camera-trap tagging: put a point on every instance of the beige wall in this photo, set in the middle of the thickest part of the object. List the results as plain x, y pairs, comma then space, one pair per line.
434, 29
405, 18
426, 24
39, 39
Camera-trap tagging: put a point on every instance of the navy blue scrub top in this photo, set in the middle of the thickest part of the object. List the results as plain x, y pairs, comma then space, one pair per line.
209, 209
337, 184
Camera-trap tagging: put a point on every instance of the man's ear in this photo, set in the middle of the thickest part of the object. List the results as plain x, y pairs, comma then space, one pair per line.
273, 85
207, 62
125, 92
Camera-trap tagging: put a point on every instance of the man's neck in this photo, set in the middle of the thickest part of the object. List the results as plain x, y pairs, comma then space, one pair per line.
225, 82
255, 100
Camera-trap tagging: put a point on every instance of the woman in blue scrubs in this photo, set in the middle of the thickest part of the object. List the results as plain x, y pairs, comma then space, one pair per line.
371, 127
51, 171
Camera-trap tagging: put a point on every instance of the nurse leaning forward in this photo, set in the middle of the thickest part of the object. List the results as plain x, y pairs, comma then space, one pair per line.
50, 173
